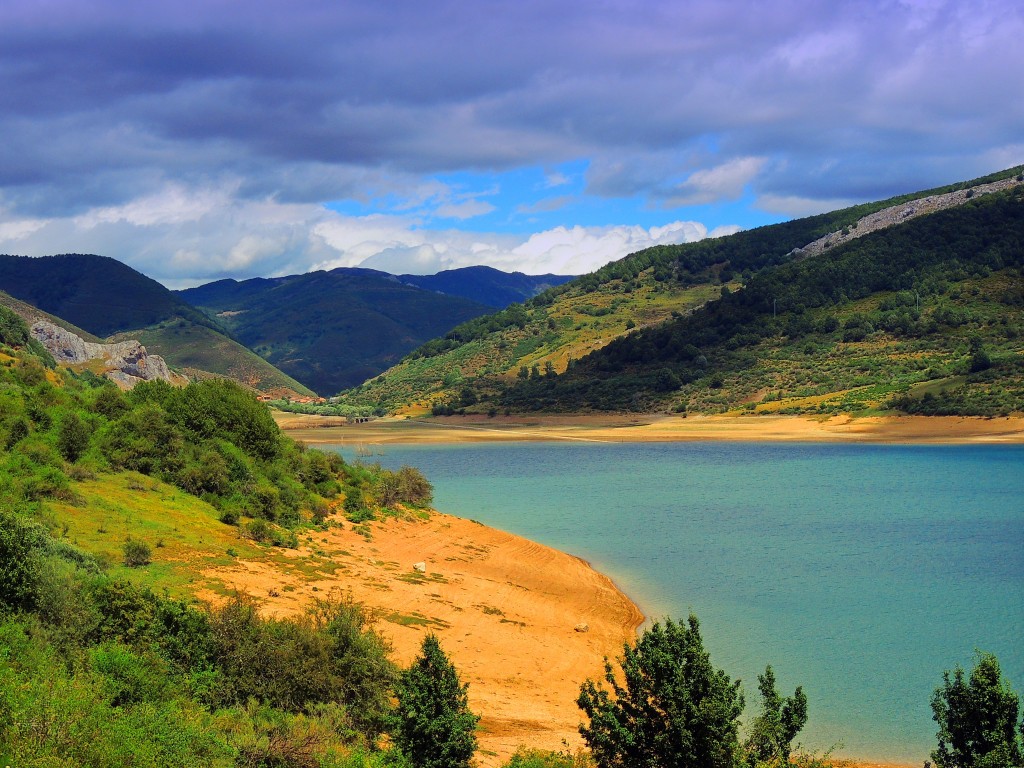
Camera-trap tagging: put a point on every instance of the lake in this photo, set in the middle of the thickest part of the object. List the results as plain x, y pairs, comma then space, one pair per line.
860, 572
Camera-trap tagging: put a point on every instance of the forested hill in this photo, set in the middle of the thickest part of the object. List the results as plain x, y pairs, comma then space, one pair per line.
927, 317
487, 285
96, 293
331, 329
475, 363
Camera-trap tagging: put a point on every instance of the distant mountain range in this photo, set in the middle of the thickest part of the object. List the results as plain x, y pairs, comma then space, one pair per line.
486, 285
322, 331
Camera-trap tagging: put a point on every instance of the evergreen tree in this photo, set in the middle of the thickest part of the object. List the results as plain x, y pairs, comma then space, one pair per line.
977, 719
434, 725
673, 709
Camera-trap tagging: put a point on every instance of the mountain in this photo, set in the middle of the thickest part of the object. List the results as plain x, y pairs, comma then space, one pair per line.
331, 330
486, 285
97, 297
547, 353
97, 293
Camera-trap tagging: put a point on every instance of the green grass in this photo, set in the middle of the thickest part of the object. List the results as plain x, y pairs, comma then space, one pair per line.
197, 350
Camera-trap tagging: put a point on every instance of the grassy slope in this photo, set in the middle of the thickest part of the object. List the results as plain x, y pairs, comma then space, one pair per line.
184, 532
199, 351
634, 290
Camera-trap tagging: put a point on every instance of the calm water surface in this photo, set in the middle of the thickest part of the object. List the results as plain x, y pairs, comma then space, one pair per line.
859, 572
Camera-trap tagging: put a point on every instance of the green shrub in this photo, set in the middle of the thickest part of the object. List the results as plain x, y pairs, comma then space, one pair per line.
137, 553
19, 561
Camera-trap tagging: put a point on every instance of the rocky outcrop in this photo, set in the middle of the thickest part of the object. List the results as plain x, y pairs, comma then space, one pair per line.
126, 363
897, 214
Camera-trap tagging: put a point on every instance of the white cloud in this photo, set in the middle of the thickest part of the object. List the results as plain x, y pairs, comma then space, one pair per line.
722, 182
184, 237
467, 209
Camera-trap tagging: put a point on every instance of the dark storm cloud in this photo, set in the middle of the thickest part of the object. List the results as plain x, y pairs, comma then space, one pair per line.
677, 103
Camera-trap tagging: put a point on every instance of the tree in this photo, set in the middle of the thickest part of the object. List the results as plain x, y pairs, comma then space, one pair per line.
673, 709
977, 719
72, 437
781, 719
434, 726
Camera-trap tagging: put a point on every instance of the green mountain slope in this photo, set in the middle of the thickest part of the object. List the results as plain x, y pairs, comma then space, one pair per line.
927, 316
331, 329
98, 297
483, 358
97, 293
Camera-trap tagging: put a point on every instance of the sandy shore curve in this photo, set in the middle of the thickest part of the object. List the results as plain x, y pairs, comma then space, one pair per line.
508, 611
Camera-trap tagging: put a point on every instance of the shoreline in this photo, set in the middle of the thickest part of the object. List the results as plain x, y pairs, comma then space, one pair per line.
618, 429
508, 611
909, 430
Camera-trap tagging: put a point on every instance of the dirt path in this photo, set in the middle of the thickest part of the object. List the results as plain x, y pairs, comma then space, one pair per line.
504, 608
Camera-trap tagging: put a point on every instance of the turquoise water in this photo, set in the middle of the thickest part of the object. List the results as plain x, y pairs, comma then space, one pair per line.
859, 572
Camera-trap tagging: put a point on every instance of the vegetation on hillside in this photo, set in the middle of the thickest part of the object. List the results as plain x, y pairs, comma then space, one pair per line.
931, 310
501, 361
106, 661
199, 352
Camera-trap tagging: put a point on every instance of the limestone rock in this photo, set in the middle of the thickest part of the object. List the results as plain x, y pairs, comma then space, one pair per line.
127, 362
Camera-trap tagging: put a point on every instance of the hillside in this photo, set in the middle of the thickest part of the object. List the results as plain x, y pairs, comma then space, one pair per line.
333, 329
96, 293
100, 298
474, 364
925, 317
114, 507
178, 583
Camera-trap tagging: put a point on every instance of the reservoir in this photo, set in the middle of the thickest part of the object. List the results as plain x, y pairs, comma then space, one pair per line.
860, 572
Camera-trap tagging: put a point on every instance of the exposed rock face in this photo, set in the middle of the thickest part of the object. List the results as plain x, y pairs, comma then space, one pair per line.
897, 214
127, 362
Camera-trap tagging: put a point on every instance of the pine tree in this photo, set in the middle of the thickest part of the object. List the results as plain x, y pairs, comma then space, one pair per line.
434, 725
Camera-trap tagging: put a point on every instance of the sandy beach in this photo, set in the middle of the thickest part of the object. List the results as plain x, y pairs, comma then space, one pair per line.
505, 609
657, 428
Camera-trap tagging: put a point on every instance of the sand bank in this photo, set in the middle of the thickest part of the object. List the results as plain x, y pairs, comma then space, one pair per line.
657, 428
504, 608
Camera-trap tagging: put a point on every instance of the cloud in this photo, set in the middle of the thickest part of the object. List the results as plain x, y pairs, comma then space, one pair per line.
150, 121
723, 182
185, 237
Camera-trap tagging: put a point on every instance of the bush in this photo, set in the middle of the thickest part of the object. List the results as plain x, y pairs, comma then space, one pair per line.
137, 553
19, 562
977, 719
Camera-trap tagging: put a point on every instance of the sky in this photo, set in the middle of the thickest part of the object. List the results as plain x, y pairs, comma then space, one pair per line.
204, 139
